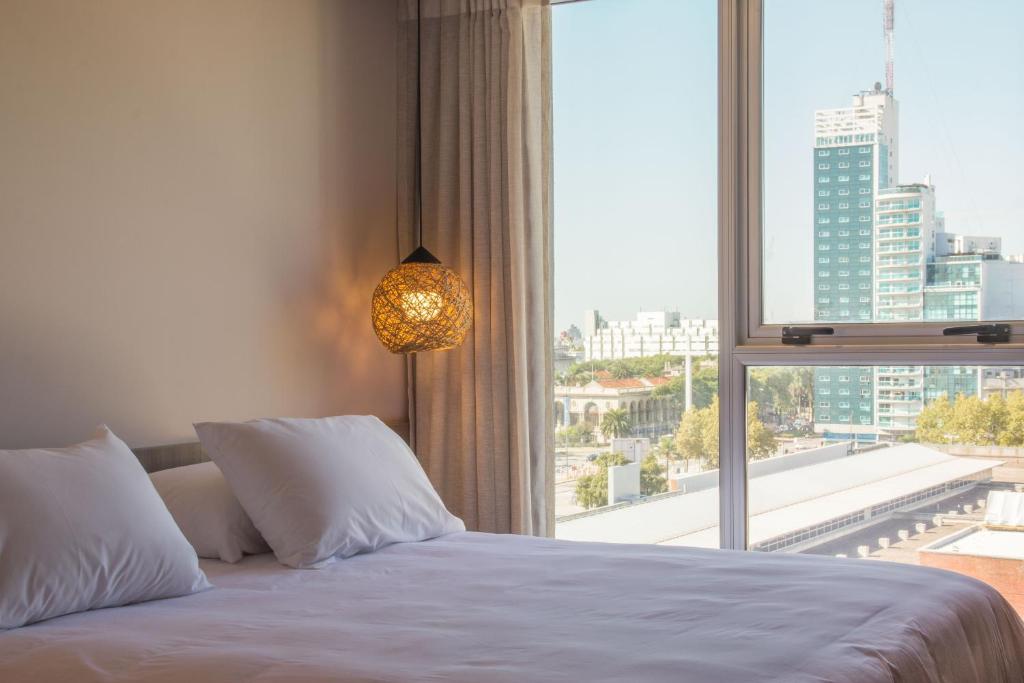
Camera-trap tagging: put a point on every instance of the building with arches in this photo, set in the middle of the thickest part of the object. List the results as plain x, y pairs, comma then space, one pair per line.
649, 416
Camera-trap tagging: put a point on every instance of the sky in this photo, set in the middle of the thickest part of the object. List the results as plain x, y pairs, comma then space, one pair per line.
635, 137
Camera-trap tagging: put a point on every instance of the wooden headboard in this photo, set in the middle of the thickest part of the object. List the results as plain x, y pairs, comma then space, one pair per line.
156, 458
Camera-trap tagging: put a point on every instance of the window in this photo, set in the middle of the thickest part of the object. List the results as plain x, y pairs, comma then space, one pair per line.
919, 261
623, 349
888, 364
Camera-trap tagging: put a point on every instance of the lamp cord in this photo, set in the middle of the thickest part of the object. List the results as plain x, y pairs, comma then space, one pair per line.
419, 134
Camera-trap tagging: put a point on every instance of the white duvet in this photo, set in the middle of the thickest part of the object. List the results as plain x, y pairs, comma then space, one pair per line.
479, 608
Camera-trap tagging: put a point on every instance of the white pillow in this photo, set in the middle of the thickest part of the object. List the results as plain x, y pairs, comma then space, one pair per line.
208, 513
82, 528
320, 489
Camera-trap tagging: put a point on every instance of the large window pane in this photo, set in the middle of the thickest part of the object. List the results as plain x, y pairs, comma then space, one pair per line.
913, 487
635, 100
892, 198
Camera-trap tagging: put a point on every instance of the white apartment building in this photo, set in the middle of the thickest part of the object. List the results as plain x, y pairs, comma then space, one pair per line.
651, 333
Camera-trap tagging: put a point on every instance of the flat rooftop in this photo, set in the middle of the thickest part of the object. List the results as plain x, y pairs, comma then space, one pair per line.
982, 542
784, 502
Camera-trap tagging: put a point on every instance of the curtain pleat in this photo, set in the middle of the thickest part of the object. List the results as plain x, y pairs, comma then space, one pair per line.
482, 413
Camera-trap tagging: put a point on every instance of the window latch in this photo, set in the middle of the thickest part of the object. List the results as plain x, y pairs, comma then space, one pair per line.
987, 334
800, 336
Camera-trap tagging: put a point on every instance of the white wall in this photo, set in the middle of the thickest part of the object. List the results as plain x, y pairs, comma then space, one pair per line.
196, 201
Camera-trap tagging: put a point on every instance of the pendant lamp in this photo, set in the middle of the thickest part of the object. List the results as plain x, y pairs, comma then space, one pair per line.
421, 305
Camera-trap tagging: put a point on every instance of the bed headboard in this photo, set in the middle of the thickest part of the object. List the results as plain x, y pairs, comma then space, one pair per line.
156, 458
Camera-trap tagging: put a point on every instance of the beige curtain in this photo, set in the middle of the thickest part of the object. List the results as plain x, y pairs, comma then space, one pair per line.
482, 414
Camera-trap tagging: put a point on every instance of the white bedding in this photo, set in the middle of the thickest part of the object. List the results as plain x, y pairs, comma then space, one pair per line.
479, 608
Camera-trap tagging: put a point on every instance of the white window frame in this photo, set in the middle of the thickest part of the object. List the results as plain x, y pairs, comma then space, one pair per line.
745, 340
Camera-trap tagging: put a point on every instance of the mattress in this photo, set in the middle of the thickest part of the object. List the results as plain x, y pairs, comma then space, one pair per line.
481, 608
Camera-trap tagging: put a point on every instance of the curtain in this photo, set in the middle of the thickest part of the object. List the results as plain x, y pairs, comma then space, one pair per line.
481, 414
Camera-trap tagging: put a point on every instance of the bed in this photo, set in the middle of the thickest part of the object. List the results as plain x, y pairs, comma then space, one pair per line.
481, 608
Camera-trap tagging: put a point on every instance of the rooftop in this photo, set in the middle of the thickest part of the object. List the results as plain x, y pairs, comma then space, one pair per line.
782, 500
982, 542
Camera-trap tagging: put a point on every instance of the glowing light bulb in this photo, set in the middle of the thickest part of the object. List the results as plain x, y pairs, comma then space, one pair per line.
422, 306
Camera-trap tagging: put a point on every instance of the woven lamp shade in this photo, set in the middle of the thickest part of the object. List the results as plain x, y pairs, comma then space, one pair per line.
421, 306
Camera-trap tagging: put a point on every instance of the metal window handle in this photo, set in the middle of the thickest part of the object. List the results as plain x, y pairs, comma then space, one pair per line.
799, 336
987, 334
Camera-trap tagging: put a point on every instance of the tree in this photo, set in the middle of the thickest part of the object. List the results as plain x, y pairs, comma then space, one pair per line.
592, 489
760, 440
689, 438
783, 392
576, 435
1013, 428
971, 420
933, 422
704, 386
615, 423
697, 436
709, 434
652, 480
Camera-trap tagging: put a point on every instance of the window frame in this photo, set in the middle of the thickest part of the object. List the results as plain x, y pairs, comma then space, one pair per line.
742, 28
745, 340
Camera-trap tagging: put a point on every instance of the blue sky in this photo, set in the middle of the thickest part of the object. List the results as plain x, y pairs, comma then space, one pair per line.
635, 95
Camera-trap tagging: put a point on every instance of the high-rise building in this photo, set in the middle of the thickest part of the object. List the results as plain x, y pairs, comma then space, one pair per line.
856, 154
883, 254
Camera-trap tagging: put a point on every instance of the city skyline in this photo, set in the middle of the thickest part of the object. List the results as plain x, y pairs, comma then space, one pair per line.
672, 261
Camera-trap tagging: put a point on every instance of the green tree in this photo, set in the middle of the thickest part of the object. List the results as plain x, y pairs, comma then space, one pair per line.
592, 489
934, 420
760, 440
1013, 428
575, 435
697, 435
652, 479
704, 385
709, 434
615, 423
689, 438
973, 421
782, 393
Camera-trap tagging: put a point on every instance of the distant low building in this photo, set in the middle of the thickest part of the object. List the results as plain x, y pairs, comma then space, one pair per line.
634, 448
652, 333
587, 404
992, 551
